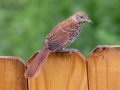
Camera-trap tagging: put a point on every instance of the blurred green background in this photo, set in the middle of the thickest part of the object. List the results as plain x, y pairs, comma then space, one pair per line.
24, 24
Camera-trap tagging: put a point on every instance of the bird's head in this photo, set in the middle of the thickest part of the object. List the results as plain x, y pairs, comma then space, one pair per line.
81, 17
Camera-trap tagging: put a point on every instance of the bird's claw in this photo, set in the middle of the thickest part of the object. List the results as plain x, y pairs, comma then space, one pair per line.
68, 50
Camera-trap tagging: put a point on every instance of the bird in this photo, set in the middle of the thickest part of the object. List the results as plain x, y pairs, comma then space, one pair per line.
62, 35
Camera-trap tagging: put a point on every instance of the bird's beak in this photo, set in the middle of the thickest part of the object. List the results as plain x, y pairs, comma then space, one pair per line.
89, 21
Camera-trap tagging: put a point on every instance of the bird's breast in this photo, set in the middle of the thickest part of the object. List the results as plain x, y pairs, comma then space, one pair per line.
73, 34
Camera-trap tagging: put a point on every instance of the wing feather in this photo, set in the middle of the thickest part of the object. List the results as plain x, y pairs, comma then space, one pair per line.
58, 39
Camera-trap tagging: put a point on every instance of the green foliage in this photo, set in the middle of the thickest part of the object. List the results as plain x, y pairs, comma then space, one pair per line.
25, 23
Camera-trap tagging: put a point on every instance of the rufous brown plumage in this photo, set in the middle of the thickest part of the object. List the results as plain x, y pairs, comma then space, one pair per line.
61, 36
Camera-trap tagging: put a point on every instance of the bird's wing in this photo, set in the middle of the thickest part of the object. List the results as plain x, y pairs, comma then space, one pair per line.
57, 38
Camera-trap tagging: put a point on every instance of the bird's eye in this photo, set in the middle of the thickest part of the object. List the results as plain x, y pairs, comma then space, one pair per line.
81, 16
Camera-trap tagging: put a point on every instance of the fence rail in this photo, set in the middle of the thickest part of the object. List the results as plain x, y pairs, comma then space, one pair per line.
61, 71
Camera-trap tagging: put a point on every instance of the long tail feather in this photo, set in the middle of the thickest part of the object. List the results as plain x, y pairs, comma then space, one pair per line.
35, 67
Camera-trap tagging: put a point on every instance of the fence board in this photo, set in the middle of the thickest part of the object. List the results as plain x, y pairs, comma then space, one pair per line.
104, 68
61, 71
11, 73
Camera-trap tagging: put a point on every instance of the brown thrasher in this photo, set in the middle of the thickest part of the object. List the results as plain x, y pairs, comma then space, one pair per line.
61, 36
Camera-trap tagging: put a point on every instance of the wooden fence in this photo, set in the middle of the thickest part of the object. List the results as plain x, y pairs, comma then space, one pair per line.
99, 71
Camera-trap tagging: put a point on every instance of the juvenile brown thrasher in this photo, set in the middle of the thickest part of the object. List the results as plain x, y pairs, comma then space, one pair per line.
61, 36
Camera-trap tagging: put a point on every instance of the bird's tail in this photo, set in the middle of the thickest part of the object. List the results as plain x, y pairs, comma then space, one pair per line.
35, 67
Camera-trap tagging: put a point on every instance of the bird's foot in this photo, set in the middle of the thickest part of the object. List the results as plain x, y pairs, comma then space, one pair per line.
68, 50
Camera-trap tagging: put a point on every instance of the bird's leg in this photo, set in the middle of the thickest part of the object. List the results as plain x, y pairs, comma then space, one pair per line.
68, 50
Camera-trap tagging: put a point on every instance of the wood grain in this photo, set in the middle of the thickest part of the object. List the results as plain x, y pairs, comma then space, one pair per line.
12, 73
61, 71
104, 68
